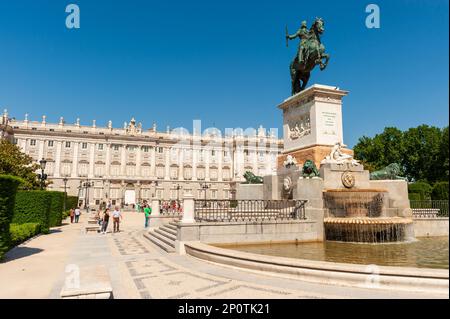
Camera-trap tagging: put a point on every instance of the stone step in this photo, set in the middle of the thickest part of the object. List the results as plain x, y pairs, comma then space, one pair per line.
158, 242
173, 225
163, 239
169, 230
166, 234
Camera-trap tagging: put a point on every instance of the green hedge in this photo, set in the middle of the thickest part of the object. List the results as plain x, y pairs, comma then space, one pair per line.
440, 191
56, 208
33, 207
419, 191
71, 202
8, 189
22, 232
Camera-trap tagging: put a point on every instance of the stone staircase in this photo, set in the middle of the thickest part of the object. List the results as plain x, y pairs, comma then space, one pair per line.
164, 236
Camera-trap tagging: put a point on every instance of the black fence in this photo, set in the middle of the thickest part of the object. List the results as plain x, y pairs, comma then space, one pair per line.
429, 208
248, 210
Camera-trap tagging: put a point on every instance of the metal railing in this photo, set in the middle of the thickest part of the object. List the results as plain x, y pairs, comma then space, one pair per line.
429, 208
248, 210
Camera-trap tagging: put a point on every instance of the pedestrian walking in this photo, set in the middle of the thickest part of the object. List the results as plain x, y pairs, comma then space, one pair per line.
77, 214
72, 215
105, 221
147, 212
117, 217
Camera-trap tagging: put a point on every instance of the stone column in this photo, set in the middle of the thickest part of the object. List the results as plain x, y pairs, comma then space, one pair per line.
107, 159
155, 208
181, 164
123, 159
41, 149
167, 164
91, 160
219, 160
194, 164
207, 163
75, 160
57, 159
138, 161
153, 161
188, 209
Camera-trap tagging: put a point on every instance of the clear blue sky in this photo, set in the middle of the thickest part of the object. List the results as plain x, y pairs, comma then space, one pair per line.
224, 62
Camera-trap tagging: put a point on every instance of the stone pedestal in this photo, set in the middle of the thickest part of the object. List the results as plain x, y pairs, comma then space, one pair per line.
312, 123
332, 176
188, 209
155, 208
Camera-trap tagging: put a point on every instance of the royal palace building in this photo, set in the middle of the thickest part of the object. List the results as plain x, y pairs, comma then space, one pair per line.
129, 164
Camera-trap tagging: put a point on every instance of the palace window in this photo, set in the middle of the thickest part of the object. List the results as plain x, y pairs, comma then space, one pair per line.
66, 169
145, 149
50, 143
100, 147
32, 142
160, 172
67, 144
116, 147
115, 170
84, 146
160, 149
174, 172
83, 169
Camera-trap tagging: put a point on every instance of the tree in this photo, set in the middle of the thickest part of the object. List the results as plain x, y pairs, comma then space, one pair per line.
14, 162
382, 150
422, 151
444, 156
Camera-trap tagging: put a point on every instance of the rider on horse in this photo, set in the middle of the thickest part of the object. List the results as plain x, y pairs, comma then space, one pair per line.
303, 35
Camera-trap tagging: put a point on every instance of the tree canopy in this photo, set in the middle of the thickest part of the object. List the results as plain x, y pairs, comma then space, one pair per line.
14, 162
421, 151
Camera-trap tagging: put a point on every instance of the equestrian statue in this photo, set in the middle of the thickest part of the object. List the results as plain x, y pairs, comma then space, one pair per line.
310, 52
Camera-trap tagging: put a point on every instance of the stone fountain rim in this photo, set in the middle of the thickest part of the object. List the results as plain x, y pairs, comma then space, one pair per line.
355, 190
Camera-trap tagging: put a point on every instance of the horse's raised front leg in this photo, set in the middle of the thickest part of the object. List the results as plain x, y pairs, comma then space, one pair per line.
323, 65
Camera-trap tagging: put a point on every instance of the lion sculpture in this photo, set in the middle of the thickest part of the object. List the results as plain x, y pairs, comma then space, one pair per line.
392, 171
310, 169
251, 178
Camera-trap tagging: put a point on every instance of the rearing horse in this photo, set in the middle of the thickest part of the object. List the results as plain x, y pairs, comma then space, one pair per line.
313, 54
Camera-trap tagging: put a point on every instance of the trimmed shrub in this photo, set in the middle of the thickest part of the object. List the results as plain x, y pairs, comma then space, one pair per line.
71, 202
8, 189
421, 189
440, 191
22, 232
56, 208
33, 207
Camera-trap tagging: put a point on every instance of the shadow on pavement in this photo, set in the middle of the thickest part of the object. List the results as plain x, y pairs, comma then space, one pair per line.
20, 252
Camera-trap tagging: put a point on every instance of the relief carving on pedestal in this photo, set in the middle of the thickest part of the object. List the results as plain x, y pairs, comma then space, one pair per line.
299, 128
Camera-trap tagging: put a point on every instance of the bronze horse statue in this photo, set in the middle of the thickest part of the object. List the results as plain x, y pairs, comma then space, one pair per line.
311, 52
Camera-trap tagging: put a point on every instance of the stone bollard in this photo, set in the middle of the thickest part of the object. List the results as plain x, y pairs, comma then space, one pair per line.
188, 209
155, 208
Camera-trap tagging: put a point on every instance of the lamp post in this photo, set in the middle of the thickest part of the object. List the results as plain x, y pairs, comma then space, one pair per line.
204, 187
178, 187
87, 185
156, 185
42, 177
65, 180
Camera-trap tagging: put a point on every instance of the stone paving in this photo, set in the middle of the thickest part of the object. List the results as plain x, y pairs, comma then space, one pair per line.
138, 269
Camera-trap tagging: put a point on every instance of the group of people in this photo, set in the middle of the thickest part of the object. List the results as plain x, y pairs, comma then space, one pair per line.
75, 215
104, 217
171, 207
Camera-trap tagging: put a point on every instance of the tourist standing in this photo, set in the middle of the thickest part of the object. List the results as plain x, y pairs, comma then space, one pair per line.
72, 215
147, 212
105, 221
117, 216
77, 214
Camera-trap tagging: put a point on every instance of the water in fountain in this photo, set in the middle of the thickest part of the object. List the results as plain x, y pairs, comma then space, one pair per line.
358, 216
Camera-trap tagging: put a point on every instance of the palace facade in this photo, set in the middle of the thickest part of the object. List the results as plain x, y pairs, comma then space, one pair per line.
129, 164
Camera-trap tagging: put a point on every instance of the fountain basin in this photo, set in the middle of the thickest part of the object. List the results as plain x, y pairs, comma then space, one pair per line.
368, 230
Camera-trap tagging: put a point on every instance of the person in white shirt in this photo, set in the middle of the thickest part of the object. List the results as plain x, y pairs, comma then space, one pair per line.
77, 214
117, 217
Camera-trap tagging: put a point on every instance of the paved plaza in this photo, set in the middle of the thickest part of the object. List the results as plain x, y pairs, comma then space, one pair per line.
138, 269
